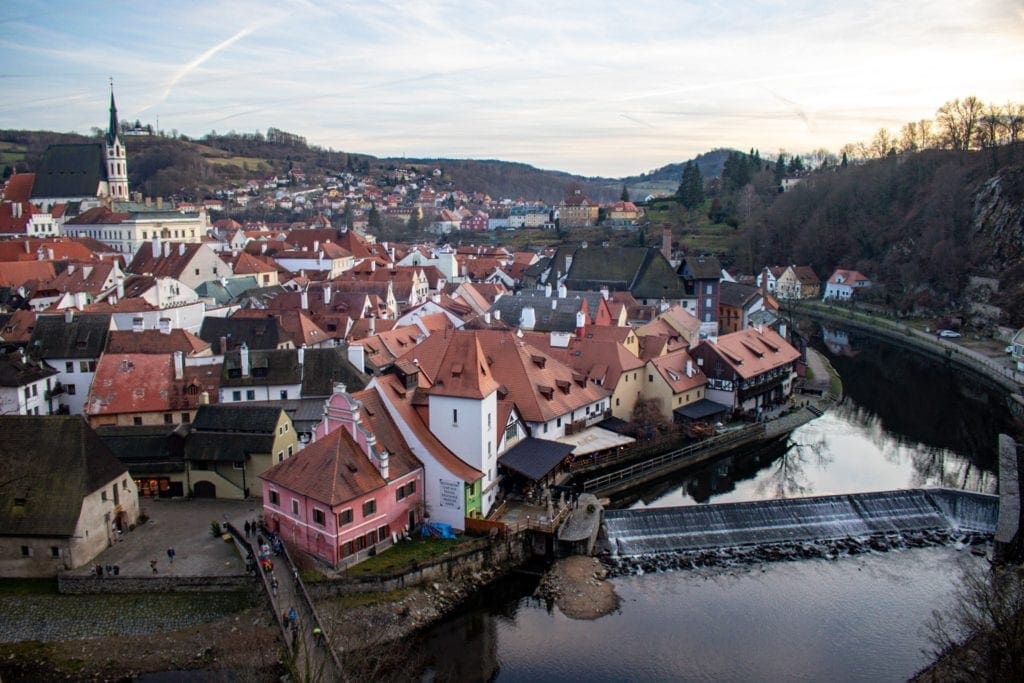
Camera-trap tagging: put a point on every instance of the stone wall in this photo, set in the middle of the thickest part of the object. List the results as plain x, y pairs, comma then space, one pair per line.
504, 554
69, 584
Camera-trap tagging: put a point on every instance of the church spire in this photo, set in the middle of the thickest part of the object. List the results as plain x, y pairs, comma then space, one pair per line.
112, 129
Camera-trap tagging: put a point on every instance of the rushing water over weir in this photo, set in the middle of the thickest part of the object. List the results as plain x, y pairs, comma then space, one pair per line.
822, 518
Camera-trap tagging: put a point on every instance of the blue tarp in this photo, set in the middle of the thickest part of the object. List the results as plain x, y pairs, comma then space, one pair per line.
437, 530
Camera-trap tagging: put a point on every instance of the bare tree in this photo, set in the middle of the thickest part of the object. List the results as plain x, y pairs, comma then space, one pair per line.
882, 143
958, 120
1014, 121
980, 637
991, 126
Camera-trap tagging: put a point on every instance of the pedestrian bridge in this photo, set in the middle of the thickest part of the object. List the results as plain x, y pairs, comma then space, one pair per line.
794, 520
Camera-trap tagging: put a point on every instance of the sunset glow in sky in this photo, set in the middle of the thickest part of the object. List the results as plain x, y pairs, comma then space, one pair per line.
594, 88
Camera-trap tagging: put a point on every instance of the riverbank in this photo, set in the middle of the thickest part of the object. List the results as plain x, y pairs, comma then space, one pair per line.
579, 588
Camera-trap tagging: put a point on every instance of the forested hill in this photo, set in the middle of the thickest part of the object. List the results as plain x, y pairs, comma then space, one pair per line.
920, 223
193, 169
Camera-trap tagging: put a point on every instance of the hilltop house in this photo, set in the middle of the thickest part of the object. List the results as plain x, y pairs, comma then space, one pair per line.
843, 284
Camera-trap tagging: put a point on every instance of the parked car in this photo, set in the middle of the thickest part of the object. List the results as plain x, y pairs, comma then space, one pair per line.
949, 334
1009, 349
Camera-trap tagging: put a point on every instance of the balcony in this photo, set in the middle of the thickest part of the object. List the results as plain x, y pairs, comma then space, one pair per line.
54, 391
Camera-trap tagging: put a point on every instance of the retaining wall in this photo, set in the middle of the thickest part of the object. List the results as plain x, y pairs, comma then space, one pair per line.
69, 584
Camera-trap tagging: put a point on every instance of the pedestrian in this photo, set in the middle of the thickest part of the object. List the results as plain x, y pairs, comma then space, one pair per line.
295, 636
293, 616
117, 570
318, 635
152, 565
247, 528
99, 571
273, 586
170, 554
109, 570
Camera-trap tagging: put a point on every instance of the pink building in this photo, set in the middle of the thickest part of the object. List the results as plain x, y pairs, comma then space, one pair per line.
349, 490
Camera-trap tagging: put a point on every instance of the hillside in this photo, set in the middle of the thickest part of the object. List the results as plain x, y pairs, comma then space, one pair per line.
920, 223
665, 180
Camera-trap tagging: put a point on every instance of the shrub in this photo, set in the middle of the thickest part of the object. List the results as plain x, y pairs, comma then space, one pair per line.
215, 529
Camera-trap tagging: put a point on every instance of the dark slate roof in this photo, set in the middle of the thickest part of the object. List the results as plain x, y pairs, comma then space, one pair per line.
256, 333
148, 449
642, 271
736, 295
305, 413
701, 268
616, 424
15, 373
562, 318
322, 368
72, 170
84, 337
237, 418
54, 462
226, 446
537, 269
701, 409
535, 458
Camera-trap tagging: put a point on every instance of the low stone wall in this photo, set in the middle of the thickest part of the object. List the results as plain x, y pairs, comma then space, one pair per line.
505, 553
69, 584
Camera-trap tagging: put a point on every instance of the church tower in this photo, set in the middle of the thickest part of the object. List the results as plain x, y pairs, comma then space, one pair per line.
117, 163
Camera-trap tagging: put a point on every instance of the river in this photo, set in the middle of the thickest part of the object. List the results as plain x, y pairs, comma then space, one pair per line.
904, 423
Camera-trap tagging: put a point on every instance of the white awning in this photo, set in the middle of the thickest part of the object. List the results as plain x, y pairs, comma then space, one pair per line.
594, 439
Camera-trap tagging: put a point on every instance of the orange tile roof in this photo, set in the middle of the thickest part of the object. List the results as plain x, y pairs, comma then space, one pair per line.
751, 352
155, 341
19, 327
17, 273
19, 187
392, 391
463, 371
672, 368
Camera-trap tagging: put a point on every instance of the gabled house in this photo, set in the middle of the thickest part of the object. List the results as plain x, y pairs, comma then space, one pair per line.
64, 498
230, 446
256, 375
738, 304
747, 370
798, 282
72, 345
673, 381
642, 271
701, 276
348, 492
26, 387
843, 284
191, 264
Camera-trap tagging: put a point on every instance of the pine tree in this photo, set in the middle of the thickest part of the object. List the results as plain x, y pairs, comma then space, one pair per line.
691, 188
373, 220
625, 194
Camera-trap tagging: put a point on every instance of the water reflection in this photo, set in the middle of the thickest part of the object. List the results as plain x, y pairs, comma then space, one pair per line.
905, 423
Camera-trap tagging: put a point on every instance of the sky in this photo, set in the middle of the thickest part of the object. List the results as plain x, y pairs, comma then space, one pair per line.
594, 88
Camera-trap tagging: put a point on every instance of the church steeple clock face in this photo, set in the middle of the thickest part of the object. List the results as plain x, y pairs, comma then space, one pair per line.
116, 156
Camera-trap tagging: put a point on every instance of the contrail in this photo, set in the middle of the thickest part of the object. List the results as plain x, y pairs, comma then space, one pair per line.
189, 67
797, 109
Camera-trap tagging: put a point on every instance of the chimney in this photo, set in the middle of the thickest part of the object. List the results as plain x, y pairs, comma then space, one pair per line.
528, 318
149, 202
16, 209
373, 266
223, 345
28, 247
554, 304
167, 249
181, 249
689, 368
165, 325
547, 289
69, 315
327, 294
159, 202
120, 288
316, 245
263, 248
383, 456
71, 269
156, 247
666, 242
179, 365
302, 355
50, 253
604, 293
138, 324
356, 357
563, 291
487, 317
497, 314
304, 300
243, 357
204, 398
373, 325
581, 323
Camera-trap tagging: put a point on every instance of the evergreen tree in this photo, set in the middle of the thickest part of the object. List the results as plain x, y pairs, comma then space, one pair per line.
737, 171
691, 189
844, 162
625, 194
374, 220
780, 168
414, 221
349, 215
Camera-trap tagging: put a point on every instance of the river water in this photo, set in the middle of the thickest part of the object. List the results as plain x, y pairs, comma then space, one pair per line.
904, 423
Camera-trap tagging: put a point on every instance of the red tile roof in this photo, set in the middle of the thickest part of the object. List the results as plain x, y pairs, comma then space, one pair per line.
17, 273
142, 383
751, 352
463, 371
155, 341
19, 187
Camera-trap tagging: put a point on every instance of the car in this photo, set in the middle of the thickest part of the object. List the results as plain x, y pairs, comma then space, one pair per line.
949, 334
1009, 349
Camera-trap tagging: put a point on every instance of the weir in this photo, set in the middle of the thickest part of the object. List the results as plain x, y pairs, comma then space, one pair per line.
820, 518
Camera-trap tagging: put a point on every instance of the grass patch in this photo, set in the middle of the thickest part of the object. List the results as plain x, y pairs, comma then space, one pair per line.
28, 587
809, 373
371, 598
404, 555
311, 576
